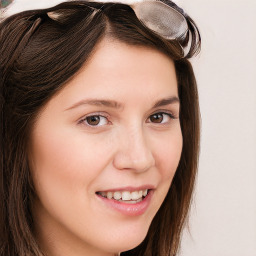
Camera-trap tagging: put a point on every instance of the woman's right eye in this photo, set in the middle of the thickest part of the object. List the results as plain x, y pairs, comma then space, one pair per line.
95, 120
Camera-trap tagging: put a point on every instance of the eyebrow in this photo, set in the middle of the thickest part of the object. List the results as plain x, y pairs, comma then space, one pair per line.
97, 102
167, 101
117, 105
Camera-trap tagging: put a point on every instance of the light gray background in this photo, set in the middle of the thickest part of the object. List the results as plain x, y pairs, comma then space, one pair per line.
223, 216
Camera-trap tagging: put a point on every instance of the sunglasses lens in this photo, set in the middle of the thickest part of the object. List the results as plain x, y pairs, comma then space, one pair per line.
162, 19
5, 3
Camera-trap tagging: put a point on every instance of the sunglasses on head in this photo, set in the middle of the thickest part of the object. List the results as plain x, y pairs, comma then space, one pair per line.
163, 17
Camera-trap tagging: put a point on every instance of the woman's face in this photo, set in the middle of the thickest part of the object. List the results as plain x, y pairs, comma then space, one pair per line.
104, 151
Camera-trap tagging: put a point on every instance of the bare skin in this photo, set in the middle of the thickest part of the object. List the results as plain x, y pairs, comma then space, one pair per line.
114, 127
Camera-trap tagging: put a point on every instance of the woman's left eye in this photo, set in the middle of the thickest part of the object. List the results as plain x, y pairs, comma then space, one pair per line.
161, 118
95, 120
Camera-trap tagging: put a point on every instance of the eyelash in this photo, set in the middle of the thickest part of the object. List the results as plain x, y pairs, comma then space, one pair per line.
85, 119
169, 115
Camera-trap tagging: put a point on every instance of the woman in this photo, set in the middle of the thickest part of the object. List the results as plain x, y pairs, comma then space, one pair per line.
100, 129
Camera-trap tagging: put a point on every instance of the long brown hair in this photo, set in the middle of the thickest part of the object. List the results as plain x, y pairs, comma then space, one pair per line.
41, 51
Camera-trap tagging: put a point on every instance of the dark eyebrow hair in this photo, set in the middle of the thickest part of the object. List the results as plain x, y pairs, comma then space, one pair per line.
167, 101
115, 104
97, 102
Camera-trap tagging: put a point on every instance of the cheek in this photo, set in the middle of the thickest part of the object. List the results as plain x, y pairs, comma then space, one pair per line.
66, 162
168, 154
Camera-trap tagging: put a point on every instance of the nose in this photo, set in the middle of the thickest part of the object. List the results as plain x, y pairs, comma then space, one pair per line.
134, 152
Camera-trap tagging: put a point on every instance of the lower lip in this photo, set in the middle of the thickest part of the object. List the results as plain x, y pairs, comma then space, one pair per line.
129, 209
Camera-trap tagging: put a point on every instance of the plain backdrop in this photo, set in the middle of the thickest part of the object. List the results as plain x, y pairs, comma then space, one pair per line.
223, 216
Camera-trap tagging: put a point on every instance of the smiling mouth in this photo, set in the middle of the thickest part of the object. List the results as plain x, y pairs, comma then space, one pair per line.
129, 197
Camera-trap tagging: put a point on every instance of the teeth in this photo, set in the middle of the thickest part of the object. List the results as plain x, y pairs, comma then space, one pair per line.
109, 195
131, 201
104, 194
131, 197
135, 195
126, 195
117, 195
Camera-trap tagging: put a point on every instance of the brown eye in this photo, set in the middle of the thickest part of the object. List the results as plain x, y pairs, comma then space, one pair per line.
156, 118
96, 120
93, 120
161, 118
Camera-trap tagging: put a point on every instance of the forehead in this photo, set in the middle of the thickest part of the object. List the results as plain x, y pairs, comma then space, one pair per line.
110, 53
118, 70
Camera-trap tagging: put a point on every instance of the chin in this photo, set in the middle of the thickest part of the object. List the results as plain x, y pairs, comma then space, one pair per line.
126, 241
132, 243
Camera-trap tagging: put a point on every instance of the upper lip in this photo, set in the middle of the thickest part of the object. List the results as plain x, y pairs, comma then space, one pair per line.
129, 188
